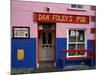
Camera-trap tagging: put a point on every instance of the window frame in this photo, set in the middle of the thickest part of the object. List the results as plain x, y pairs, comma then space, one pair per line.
85, 43
77, 6
93, 7
93, 18
13, 36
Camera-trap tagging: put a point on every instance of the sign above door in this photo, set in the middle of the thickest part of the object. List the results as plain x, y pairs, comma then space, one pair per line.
63, 18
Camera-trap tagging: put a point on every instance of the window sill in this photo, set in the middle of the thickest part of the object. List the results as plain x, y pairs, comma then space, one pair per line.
77, 56
76, 9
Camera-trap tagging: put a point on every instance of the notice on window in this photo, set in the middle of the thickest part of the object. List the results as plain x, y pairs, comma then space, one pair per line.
77, 33
72, 33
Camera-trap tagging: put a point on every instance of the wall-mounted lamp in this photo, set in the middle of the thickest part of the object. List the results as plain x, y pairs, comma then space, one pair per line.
48, 9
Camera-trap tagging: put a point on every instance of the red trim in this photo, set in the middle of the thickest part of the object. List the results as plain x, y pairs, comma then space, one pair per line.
92, 54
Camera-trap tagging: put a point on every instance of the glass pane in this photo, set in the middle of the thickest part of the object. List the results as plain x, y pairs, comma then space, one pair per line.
72, 33
72, 39
72, 54
80, 53
72, 47
80, 6
80, 36
80, 47
44, 38
73, 5
49, 38
72, 36
47, 26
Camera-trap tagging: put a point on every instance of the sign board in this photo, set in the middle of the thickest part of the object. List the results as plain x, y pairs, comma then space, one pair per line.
21, 32
20, 54
63, 18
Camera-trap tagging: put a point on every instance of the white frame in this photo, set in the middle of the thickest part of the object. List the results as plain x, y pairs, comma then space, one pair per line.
85, 54
18, 30
77, 6
83, 8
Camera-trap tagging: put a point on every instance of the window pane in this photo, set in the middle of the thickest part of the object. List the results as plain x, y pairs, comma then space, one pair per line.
80, 47
47, 26
79, 6
76, 6
44, 38
43, 26
72, 36
73, 5
72, 39
72, 33
72, 46
49, 38
80, 53
72, 54
80, 36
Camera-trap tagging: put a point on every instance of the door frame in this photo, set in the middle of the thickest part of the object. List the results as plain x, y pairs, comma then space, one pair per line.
37, 52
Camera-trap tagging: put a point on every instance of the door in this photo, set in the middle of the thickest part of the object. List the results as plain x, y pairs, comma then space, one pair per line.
46, 45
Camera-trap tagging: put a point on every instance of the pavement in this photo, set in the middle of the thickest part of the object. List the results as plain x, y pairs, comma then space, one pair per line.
50, 69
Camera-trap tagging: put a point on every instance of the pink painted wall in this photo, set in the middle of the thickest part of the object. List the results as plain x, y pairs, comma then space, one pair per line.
22, 15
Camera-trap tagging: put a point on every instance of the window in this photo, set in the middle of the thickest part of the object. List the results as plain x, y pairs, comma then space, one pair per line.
93, 7
47, 38
46, 26
44, 38
93, 30
76, 6
21, 32
76, 41
93, 19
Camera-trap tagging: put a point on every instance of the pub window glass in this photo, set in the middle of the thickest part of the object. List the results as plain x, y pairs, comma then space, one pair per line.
76, 6
44, 38
46, 26
49, 38
76, 42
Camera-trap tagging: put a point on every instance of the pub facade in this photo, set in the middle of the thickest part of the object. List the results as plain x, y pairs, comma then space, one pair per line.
57, 34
